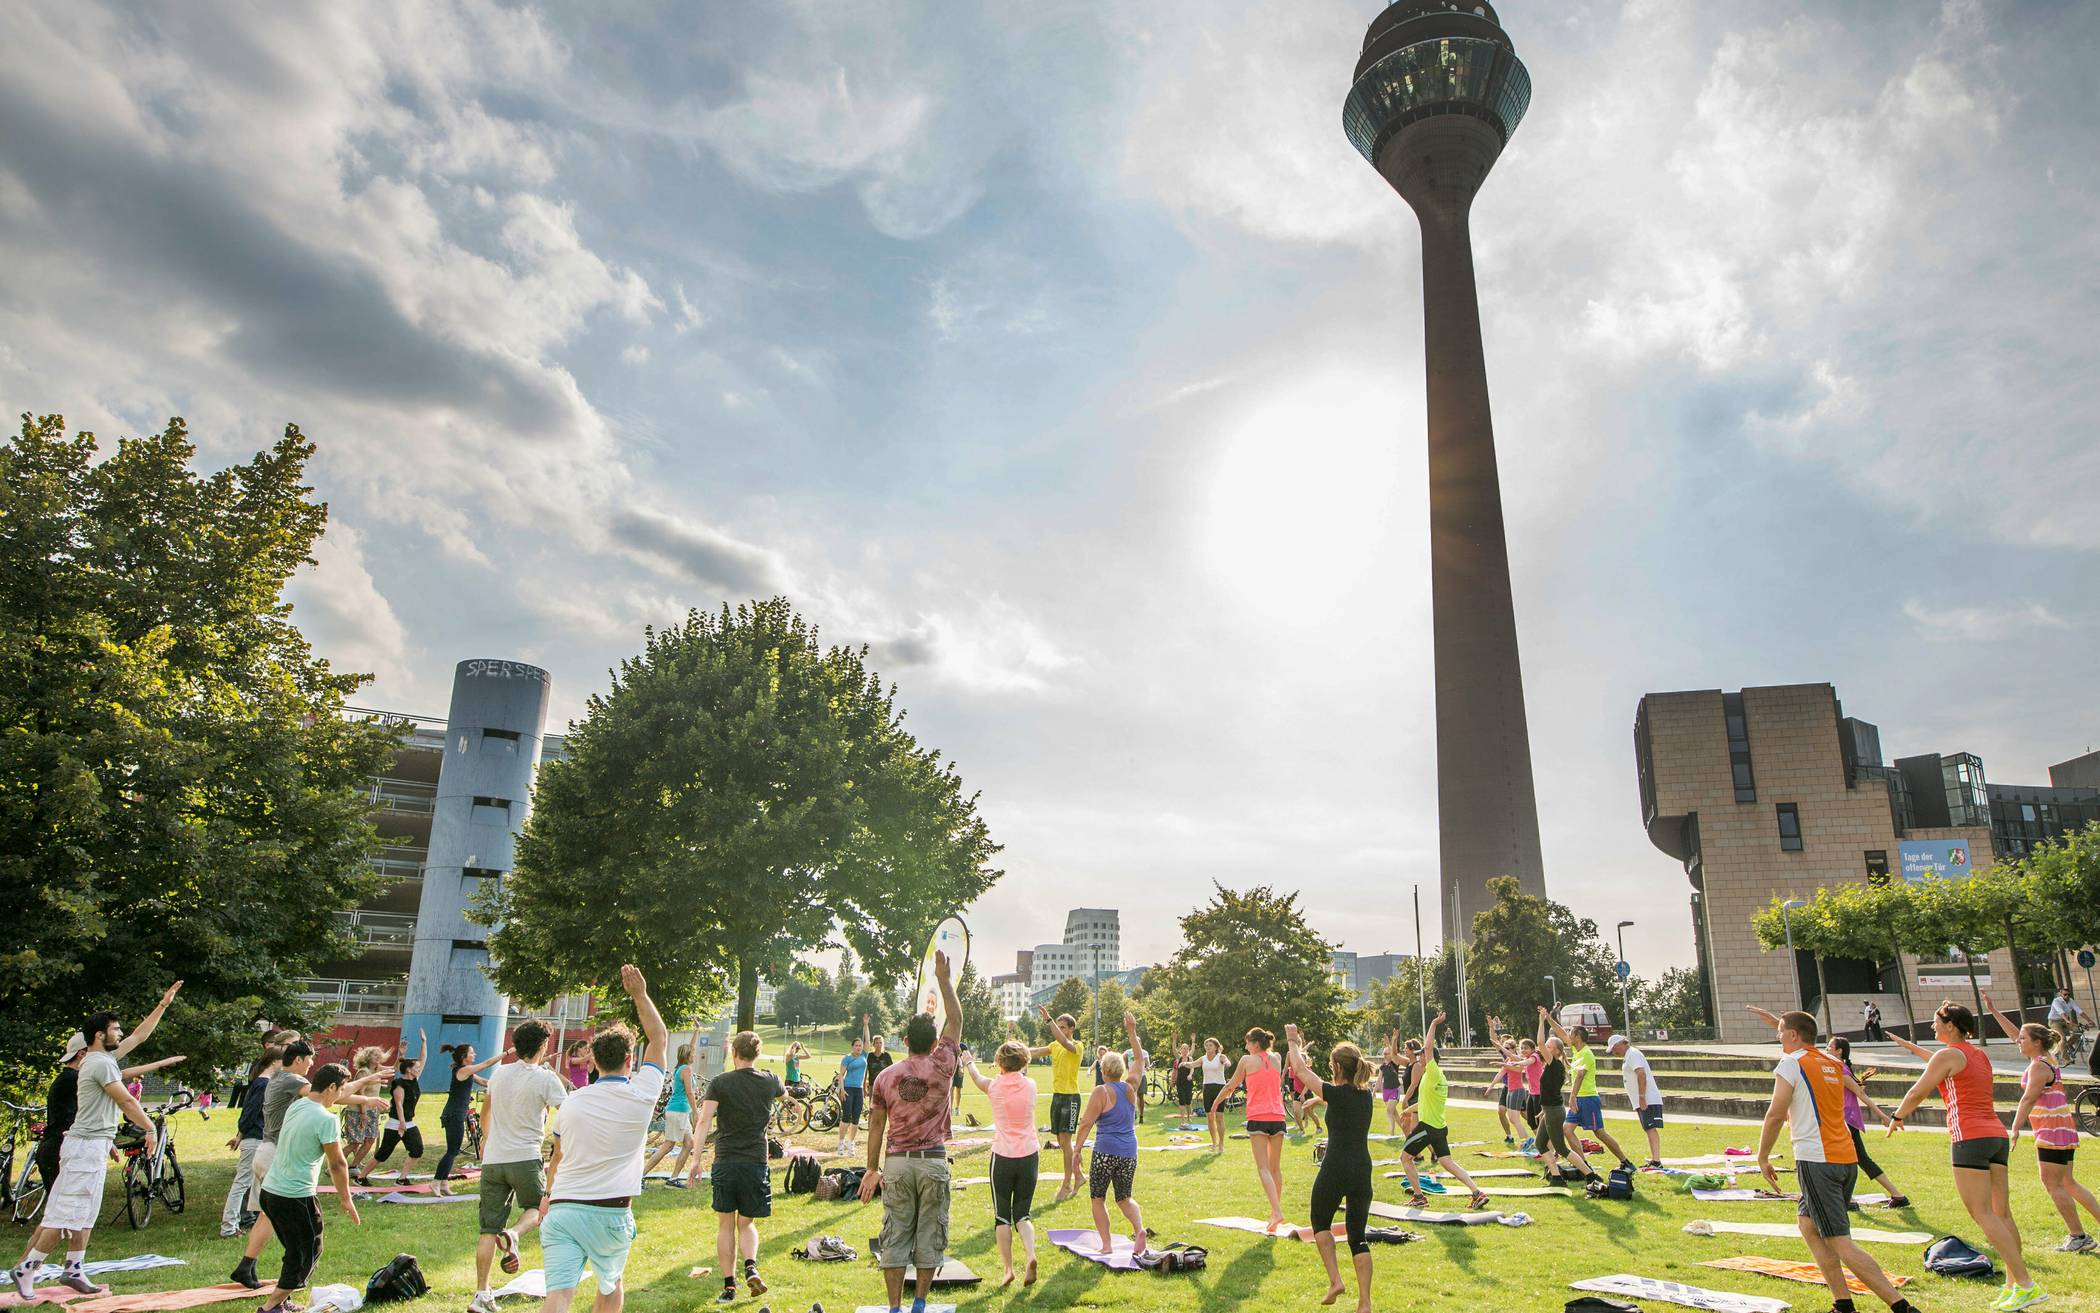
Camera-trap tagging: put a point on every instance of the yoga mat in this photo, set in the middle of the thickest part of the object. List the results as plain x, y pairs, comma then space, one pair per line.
1287, 1231
1503, 1153
97, 1266
1481, 1174
970, 1142
1086, 1244
1743, 1197
1528, 1192
884, 1308
1787, 1229
397, 1197
531, 1283
1172, 1148
1787, 1269
968, 1181
1402, 1213
1670, 1292
152, 1302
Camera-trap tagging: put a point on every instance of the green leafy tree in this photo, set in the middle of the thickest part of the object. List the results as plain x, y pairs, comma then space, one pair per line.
1815, 930
873, 1004
1674, 1003
1396, 1001
844, 985
181, 794
982, 1028
1250, 959
740, 795
1071, 998
805, 998
1518, 940
2060, 884
1102, 1018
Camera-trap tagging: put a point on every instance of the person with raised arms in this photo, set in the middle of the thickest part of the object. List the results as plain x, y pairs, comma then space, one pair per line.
403, 1091
1343, 1182
907, 1162
514, 1119
678, 1112
600, 1133
73, 1198
1185, 1078
853, 1091
1112, 1111
1262, 1074
1390, 1074
739, 1103
1217, 1069
1977, 1142
1016, 1154
1808, 1089
2046, 1109
1063, 1052
459, 1101
307, 1136
1430, 1091
1857, 1104
1551, 1140
1582, 1070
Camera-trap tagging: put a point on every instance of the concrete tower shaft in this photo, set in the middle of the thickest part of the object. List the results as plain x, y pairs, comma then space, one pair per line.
1438, 91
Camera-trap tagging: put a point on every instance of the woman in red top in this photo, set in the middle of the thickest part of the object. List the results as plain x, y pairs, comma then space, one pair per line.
1262, 1074
1981, 1148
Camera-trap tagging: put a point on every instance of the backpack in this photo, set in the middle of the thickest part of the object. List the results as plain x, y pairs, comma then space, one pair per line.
1618, 1185
1175, 1258
400, 1279
774, 1148
1952, 1256
841, 1183
802, 1175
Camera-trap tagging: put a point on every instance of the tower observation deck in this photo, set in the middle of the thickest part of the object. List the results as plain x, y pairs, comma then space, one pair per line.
1438, 89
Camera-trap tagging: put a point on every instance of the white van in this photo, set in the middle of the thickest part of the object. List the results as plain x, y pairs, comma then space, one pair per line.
1590, 1016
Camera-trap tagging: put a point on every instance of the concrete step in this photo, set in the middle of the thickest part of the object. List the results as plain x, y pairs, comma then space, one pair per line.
1886, 1089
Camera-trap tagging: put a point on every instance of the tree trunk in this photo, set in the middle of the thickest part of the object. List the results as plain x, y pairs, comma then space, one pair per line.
1823, 995
1983, 1032
2012, 950
747, 994
1910, 1015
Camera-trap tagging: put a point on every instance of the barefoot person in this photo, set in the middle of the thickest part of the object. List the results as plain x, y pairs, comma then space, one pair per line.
459, 1101
1808, 1095
1217, 1069
739, 1103
908, 1128
1185, 1079
307, 1136
361, 1123
1430, 1091
1112, 1113
1063, 1052
1016, 1154
1259, 1071
599, 1134
678, 1113
1980, 1148
1343, 1182
2047, 1110
514, 1120
73, 1200
1857, 1104
1389, 1083
401, 1129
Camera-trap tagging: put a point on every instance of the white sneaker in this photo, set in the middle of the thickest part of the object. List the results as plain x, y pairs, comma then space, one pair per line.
2078, 1244
484, 1301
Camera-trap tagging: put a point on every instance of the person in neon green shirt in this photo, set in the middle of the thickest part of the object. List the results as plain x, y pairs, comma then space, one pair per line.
1430, 1091
1582, 1065
1063, 1051
308, 1137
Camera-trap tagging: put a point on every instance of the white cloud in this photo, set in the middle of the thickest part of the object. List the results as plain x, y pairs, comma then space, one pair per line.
345, 616
989, 647
1980, 624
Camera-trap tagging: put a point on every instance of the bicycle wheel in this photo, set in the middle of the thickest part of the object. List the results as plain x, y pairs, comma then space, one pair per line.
28, 1193
2087, 1110
7, 1173
138, 1193
790, 1117
172, 1194
824, 1113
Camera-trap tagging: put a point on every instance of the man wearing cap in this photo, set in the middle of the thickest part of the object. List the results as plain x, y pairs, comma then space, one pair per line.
1642, 1092
74, 1198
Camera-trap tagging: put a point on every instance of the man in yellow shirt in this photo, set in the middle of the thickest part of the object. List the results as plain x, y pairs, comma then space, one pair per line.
1064, 1095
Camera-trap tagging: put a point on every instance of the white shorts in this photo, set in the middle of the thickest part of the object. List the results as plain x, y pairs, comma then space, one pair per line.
75, 1201
678, 1126
265, 1154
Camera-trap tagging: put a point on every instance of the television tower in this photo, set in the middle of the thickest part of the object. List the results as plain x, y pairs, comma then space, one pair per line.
1437, 91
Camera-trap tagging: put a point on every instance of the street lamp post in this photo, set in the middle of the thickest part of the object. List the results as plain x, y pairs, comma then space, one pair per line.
1793, 964
1095, 950
1625, 1003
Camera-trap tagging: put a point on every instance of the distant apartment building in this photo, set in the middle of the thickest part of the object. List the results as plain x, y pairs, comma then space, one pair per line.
1358, 972
450, 806
1097, 929
1011, 990
1776, 792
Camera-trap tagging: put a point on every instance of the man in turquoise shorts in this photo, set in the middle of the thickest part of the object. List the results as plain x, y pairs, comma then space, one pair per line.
600, 1133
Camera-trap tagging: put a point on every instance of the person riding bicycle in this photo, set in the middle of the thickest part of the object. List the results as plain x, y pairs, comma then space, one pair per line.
2066, 1018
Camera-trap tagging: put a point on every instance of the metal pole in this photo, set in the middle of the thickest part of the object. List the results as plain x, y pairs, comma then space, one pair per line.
1422, 980
1793, 964
1465, 1017
1625, 1003
1095, 950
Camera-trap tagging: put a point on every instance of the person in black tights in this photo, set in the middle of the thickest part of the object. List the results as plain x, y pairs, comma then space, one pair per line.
459, 1100
1557, 1150
1344, 1179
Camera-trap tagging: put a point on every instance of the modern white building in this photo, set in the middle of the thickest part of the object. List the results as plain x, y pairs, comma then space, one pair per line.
1097, 928
1012, 992
1053, 964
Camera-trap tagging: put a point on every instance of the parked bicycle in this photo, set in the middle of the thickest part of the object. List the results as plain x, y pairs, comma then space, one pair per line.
22, 1192
156, 1177
2086, 1108
827, 1107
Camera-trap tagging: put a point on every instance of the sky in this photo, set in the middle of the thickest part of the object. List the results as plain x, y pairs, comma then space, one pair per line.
1068, 356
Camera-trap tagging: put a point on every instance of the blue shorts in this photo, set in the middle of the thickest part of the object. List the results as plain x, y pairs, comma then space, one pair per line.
1589, 1112
576, 1236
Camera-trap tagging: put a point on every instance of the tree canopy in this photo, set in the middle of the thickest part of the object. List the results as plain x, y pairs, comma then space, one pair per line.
1517, 941
1251, 959
741, 794
181, 794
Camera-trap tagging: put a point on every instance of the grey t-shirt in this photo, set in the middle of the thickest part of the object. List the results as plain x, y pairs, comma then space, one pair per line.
277, 1096
99, 1116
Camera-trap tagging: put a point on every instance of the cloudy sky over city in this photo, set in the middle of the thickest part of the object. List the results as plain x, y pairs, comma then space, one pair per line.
1068, 356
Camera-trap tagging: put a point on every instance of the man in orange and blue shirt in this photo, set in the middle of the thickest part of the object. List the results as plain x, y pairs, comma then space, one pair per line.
1808, 1093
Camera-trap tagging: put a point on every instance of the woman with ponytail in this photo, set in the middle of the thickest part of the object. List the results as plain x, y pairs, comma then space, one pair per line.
1344, 1180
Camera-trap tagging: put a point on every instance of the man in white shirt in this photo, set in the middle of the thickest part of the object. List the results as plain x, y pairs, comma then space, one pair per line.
514, 1113
2064, 1011
1642, 1092
600, 1134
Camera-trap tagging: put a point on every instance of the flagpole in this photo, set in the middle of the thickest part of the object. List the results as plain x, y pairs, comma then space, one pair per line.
1421, 982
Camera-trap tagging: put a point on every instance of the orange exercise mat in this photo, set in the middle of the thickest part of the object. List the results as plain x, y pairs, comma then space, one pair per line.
1788, 1269
152, 1301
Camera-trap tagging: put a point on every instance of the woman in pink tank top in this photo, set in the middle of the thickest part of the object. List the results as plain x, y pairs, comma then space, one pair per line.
1961, 1072
2046, 1110
1262, 1074
1015, 1153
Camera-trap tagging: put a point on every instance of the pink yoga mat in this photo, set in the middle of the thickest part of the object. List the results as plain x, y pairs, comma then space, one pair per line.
150, 1302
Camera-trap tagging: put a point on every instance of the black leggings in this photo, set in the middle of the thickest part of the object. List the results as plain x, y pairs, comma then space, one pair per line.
1553, 1119
1013, 1189
1336, 1183
297, 1223
412, 1137
1867, 1166
455, 1135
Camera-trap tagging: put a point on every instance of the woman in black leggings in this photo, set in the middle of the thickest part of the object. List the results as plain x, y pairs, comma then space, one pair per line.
1553, 1139
459, 1100
1344, 1179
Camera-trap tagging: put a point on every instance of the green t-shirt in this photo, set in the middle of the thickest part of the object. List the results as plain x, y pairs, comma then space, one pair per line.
1586, 1058
301, 1145
1431, 1094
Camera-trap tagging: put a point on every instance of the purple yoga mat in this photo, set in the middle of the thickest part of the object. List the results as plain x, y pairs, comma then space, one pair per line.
1087, 1245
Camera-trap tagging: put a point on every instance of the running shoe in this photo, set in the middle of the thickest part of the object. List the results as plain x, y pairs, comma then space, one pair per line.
484, 1301
507, 1241
2019, 1297
1509, 1141
2077, 1244
728, 1295
1529, 1145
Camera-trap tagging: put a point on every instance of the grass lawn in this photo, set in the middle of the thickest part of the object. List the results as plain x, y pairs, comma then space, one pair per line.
1481, 1268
